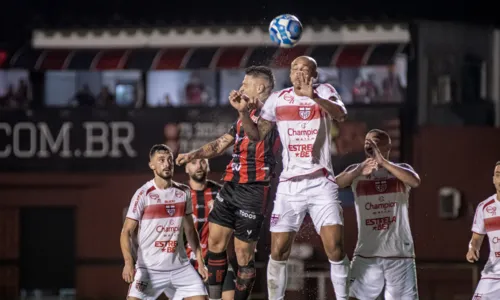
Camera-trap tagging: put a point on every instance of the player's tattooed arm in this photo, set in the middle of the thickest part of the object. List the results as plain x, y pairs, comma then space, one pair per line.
255, 132
209, 150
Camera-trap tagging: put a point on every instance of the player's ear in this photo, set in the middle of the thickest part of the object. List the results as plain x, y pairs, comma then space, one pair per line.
261, 88
151, 166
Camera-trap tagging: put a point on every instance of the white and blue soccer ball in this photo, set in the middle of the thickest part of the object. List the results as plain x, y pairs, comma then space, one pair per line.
285, 30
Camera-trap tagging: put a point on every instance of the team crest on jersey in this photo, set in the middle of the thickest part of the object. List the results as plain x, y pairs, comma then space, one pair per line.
305, 112
381, 186
170, 209
491, 210
141, 286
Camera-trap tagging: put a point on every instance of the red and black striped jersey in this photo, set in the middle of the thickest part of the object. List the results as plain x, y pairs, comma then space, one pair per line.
202, 204
252, 161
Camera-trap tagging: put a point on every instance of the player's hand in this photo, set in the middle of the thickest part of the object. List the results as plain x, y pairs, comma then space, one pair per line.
202, 269
472, 255
252, 103
306, 85
377, 156
368, 166
128, 273
183, 158
235, 98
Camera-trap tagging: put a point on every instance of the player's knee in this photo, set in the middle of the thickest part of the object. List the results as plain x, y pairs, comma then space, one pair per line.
280, 252
216, 243
281, 245
246, 276
334, 251
244, 255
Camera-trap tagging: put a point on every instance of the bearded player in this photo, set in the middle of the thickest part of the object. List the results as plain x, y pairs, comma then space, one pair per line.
487, 222
203, 194
303, 115
384, 258
161, 209
240, 205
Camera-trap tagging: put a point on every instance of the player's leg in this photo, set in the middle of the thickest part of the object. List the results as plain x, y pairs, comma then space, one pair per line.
147, 285
366, 278
250, 200
221, 224
186, 284
229, 285
287, 216
400, 279
326, 213
487, 289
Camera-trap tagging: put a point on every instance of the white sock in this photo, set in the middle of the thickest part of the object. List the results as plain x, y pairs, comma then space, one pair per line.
277, 273
339, 273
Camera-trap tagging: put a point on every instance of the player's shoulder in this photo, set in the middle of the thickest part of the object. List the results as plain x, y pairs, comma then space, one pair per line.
146, 188
180, 186
281, 93
405, 165
213, 185
487, 202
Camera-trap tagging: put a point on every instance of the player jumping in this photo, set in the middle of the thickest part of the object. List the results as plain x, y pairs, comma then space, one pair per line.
303, 116
162, 208
487, 221
240, 205
203, 194
384, 254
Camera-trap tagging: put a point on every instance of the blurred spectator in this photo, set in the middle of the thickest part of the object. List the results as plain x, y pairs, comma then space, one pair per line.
196, 93
105, 98
84, 97
393, 90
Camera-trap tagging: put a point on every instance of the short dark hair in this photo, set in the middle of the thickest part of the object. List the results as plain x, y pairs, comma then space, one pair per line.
381, 135
498, 163
263, 72
158, 148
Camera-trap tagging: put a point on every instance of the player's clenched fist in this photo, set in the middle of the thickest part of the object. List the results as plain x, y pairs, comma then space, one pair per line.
128, 273
472, 255
183, 158
235, 98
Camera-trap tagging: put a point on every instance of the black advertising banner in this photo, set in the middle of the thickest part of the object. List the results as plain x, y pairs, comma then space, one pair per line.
87, 140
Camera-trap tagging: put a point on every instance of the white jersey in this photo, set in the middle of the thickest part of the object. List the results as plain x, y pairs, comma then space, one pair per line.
487, 221
381, 202
304, 130
160, 213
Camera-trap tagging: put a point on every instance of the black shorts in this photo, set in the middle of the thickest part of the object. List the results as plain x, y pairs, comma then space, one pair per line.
241, 207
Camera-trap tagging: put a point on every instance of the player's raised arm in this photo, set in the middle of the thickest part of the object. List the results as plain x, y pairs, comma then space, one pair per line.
346, 178
333, 105
209, 150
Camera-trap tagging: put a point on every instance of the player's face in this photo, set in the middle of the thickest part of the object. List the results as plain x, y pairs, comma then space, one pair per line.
197, 169
382, 146
162, 164
250, 86
496, 178
302, 65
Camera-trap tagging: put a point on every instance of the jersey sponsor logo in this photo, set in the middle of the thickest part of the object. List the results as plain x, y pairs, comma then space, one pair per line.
381, 186
178, 194
491, 210
161, 228
219, 198
370, 206
303, 132
155, 197
380, 223
247, 215
170, 209
288, 98
304, 112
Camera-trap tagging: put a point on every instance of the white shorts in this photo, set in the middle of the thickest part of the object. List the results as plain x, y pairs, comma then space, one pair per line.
397, 277
317, 195
487, 289
178, 284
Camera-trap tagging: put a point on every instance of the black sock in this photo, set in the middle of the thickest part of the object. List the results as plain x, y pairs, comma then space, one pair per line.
217, 269
245, 280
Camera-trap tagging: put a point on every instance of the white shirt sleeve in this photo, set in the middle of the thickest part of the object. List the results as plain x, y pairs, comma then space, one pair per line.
478, 224
327, 91
268, 112
137, 205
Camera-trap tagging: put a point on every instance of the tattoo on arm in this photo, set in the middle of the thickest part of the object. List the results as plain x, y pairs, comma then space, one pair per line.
214, 148
264, 128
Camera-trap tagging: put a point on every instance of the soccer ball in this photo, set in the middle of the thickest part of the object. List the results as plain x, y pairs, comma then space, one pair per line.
285, 30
